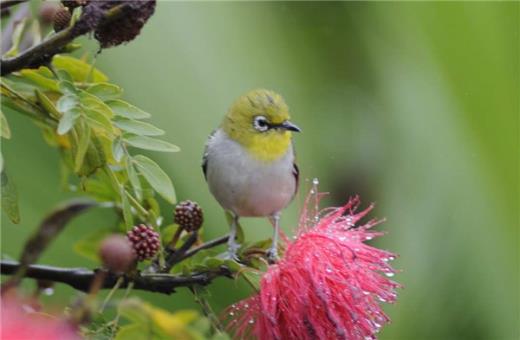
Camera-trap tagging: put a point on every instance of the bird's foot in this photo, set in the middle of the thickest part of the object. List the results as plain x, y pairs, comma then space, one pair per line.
272, 255
231, 253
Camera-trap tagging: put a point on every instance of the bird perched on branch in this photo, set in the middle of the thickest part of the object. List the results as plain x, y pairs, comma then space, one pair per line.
249, 162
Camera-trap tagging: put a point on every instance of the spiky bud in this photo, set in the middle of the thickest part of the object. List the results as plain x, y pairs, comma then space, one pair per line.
117, 253
144, 240
61, 19
189, 215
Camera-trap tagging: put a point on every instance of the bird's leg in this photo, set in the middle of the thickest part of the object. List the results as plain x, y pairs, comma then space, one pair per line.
272, 253
233, 246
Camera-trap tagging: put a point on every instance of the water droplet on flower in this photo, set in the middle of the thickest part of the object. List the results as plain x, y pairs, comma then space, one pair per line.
369, 237
381, 299
315, 181
366, 293
251, 321
328, 270
231, 313
389, 274
246, 306
48, 291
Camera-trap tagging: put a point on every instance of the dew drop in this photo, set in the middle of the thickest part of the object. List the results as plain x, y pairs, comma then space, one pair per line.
315, 181
390, 274
251, 321
246, 306
366, 293
48, 291
231, 313
328, 270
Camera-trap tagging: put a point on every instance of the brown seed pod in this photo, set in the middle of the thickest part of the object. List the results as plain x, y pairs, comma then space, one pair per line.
117, 253
61, 19
144, 240
189, 215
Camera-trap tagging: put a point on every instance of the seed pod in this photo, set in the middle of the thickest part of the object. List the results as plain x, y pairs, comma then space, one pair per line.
189, 215
117, 253
144, 240
61, 19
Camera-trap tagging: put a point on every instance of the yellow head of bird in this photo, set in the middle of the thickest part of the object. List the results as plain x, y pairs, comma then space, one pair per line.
259, 121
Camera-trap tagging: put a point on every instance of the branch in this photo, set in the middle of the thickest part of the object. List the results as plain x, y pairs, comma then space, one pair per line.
8, 3
43, 52
207, 245
81, 278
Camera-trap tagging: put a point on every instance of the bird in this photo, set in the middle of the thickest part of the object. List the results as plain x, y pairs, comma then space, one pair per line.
249, 163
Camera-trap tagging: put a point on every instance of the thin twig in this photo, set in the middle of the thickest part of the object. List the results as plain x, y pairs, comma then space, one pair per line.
81, 278
40, 54
207, 245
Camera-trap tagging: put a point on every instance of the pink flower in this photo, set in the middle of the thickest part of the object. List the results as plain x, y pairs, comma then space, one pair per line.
17, 323
328, 285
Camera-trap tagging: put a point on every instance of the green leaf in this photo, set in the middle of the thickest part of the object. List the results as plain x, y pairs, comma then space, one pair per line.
9, 198
138, 127
134, 180
124, 109
147, 143
66, 103
67, 120
78, 69
95, 157
39, 78
97, 119
66, 87
127, 210
94, 103
118, 152
64, 75
47, 104
134, 332
105, 91
5, 131
156, 177
82, 147
88, 247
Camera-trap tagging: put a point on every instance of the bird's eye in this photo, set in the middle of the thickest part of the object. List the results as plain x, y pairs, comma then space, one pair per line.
260, 123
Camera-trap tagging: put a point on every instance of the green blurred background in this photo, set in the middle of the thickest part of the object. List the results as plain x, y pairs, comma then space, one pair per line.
412, 105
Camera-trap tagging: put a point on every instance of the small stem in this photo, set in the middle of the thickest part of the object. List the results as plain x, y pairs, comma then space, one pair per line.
111, 293
207, 245
175, 238
127, 292
136, 204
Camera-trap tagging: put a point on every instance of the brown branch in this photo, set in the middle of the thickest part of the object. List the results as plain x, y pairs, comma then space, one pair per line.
9, 3
42, 53
81, 278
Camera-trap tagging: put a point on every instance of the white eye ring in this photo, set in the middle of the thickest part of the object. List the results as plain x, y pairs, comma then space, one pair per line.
261, 124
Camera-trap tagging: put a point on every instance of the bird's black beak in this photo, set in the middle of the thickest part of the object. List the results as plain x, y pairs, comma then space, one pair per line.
287, 125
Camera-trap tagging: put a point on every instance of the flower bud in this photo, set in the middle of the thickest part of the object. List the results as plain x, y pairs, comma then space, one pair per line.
117, 253
61, 19
189, 215
144, 240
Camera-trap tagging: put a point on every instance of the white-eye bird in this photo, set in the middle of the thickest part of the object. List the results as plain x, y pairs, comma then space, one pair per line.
249, 162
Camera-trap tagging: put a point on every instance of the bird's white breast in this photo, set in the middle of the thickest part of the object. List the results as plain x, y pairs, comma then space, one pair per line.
245, 185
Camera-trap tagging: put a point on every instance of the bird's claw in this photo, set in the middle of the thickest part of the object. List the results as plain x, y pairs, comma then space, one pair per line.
272, 255
231, 253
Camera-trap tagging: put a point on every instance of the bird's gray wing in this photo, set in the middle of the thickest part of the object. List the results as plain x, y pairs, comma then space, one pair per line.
296, 174
205, 155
